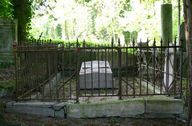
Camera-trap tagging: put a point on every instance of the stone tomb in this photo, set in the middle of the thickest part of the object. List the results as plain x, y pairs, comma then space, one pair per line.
95, 74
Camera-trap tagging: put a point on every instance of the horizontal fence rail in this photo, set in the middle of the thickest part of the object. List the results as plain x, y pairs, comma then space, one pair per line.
61, 72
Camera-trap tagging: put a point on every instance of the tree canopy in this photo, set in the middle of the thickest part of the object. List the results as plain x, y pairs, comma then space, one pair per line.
96, 20
99, 19
6, 9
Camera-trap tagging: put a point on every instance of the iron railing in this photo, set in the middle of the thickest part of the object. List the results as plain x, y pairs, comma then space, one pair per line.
60, 72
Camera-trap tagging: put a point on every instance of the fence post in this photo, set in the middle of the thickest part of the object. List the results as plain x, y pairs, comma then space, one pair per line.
57, 79
112, 65
154, 65
16, 75
119, 70
77, 70
181, 69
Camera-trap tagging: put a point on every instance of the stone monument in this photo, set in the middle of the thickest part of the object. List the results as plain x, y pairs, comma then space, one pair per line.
95, 75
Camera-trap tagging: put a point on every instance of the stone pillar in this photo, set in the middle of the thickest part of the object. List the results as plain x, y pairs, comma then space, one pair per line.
166, 23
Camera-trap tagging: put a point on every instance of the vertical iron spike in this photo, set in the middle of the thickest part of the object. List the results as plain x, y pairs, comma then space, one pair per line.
77, 43
119, 42
154, 42
161, 42
83, 42
133, 42
175, 41
112, 41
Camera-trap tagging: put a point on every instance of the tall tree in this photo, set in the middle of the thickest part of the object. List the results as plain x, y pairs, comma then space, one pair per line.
188, 35
22, 12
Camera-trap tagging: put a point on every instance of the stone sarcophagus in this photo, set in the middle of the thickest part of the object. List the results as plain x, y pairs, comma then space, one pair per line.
95, 75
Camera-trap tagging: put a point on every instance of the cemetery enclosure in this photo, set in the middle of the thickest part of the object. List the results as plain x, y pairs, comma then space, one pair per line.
47, 71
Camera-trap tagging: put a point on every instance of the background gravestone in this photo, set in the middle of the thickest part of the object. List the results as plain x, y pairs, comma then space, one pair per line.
7, 69
7, 36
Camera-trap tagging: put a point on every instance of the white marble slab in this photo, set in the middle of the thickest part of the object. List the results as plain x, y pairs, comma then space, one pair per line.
95, 74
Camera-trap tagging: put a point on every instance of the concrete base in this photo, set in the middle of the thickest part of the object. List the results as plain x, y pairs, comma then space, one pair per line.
152, 107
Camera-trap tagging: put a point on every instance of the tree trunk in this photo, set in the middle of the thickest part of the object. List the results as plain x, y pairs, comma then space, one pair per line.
22, 12
188, 34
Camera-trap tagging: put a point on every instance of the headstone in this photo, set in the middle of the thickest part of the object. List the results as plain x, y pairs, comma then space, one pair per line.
6, 40
169, 68
95, 75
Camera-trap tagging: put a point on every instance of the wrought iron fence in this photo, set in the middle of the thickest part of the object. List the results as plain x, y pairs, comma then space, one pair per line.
60, 72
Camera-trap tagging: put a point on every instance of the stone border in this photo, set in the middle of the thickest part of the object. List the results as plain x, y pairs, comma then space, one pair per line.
135, 107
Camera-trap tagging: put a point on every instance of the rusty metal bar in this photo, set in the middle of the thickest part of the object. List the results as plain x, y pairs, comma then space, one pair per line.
112, 65
140, 69
119, 71
161, 57
77, 72
154, 66
126, 51
147, 63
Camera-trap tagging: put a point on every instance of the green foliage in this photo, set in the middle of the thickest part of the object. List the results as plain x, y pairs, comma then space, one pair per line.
166, 1
73, 43
96, 20
7, 85
99, 20
6, 9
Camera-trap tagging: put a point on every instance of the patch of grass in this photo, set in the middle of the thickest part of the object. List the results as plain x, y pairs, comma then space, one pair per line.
113, 121
2, 108
7, 84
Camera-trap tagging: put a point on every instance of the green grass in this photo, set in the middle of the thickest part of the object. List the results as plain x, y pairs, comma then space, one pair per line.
7, 84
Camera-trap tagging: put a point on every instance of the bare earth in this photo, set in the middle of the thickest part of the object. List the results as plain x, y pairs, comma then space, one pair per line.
26, 120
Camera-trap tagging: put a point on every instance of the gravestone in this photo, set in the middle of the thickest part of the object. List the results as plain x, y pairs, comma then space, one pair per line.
7, 36
169, 68
95, 75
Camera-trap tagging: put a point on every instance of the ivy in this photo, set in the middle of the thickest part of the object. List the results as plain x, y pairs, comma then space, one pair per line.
20, 10
6, 9
23, 13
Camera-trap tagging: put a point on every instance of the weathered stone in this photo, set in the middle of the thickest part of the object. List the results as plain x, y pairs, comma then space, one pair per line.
152, 107
32, 108
126, 108
163, 105
60, 110
95, 74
